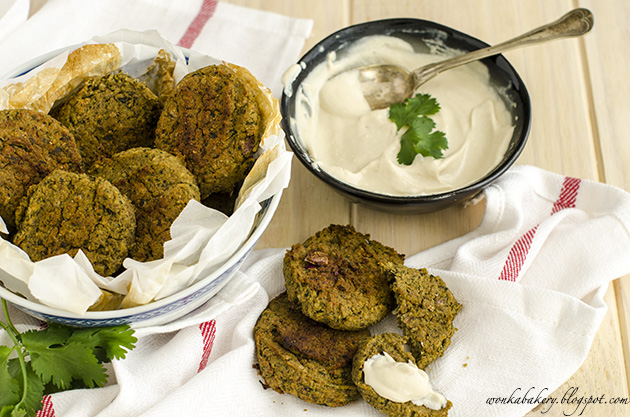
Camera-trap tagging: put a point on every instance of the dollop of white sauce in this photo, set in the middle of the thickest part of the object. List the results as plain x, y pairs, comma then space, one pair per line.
358, 146
401, 382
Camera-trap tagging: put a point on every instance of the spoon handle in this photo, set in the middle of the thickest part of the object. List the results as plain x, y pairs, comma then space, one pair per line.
575, 23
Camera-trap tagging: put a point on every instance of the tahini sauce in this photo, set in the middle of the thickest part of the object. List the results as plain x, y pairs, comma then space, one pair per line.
401, 382
358, 146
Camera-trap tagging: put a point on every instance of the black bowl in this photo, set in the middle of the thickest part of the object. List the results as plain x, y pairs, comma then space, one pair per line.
502, 74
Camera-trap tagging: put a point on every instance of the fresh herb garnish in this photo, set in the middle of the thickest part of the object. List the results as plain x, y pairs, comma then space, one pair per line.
54, 359
419, 138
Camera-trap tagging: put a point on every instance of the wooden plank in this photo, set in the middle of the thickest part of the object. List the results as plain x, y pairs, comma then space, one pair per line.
608, 60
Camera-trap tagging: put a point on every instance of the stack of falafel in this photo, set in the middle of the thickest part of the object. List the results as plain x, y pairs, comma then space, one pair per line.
112, 165
312, 340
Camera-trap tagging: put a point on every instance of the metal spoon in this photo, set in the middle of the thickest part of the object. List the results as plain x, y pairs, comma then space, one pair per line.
384, 85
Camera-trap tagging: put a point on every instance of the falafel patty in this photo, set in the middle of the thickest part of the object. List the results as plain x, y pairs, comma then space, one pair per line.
425, 311
32, 145
66, 212
213, 122
159, 186
394, 345
305, 358
336, 279
110, 114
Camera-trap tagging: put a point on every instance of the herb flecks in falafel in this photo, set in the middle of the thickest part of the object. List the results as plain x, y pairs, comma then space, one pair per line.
110, 114
425, 311
214, 124
32, 145
305, 358
66, 212
336, 278
159, 186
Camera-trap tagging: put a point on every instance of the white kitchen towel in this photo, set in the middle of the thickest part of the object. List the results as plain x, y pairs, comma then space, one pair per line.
263, 42
531, 279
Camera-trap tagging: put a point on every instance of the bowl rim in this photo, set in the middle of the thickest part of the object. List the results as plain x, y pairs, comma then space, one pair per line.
268, 209
437, 198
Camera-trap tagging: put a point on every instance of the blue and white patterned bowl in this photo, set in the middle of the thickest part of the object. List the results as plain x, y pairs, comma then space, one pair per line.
161, 311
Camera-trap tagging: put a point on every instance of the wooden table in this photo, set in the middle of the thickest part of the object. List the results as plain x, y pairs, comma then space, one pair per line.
579, 90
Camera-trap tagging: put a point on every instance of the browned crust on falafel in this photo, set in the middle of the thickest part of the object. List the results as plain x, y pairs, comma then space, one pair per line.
66, 212
110, 114
159, 186
336, 278
305, 358
32, 145
213, 122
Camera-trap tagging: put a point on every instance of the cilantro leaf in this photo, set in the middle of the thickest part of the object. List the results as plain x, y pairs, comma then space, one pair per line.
419, 138
9, 387
33, 392
53, 359
61, 361
421, 105
106, 342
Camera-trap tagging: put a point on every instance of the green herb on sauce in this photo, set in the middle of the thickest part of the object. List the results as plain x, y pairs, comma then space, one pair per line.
420, 136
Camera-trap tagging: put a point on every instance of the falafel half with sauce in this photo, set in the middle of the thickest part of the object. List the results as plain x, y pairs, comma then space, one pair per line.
305, 358
32, 145
395, 346
158, 185
213, 122
66, 212
110, 114
425, 311
336, 278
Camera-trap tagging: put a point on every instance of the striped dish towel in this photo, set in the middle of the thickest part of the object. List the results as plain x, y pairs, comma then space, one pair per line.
531, 279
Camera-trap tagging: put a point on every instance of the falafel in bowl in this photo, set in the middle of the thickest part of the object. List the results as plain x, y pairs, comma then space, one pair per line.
182, 249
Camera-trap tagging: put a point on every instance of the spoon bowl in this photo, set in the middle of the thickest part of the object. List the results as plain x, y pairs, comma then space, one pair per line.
384, 85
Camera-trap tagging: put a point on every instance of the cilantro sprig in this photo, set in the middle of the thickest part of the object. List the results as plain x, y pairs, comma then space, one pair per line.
420, 136
53, 359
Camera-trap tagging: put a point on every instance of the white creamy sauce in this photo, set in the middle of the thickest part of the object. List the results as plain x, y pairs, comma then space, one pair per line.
401, 382
359, 146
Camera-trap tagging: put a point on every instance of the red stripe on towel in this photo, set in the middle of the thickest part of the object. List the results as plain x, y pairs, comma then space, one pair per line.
47, 408
208, 331
516, 257
518, 253
568, 194
205, 13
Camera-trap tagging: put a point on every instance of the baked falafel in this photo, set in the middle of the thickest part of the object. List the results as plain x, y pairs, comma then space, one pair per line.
425, 311
32, 145
305, 358
158, 185
395, 346
213, 122
110, 114
336, 278
66, 212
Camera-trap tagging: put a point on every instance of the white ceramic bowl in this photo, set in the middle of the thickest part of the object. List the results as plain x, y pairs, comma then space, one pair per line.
161, 311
